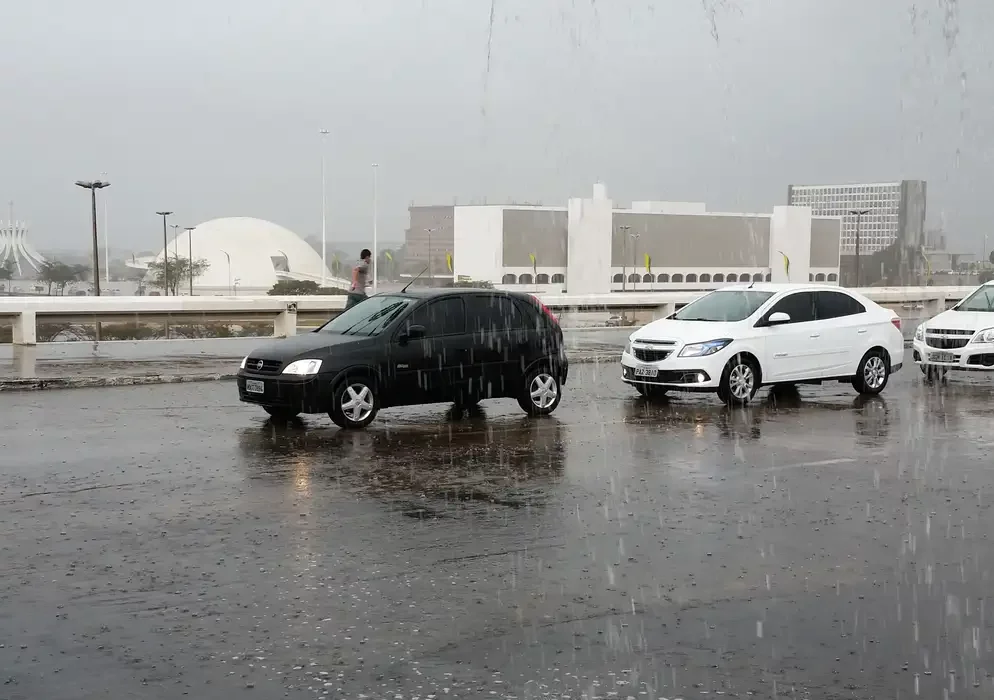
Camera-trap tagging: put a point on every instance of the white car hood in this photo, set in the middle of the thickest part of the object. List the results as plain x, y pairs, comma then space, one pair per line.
686, 331
962, 320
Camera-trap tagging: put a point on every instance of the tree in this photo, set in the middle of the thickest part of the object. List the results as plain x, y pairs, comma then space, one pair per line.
292, 288
61, 276
7, 269
180, 269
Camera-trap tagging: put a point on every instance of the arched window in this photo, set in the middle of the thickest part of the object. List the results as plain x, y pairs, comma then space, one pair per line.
820, 277
526, 279
832, 277
718, 277
634, 278
648, 278
618, 278
691, 277
758, 277
677, 278
664, 278
731, 277
705, 277
509, 279
558, 278
768, 276
542, 278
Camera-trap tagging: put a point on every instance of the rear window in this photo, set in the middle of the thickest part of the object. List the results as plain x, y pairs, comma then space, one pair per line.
495, 313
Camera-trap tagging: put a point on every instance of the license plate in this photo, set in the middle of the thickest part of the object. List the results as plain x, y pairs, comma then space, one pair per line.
254, 386
942, 357
646, 371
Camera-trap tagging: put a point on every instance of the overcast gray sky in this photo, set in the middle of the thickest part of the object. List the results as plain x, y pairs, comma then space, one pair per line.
212, 107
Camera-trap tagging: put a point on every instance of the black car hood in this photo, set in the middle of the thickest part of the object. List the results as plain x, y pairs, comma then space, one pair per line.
285, 349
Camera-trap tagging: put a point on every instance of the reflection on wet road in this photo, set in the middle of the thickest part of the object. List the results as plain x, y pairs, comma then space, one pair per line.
167, 541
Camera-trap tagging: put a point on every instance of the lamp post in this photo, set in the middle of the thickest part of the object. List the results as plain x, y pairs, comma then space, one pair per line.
189, 243
93, 186
324, 212
431, 279
624, 244
859, 214
635, 253
376, 254
165, 253
175, 228
229, 270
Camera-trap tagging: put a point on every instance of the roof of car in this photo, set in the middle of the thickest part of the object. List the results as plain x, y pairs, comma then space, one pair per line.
775, 288
428, 292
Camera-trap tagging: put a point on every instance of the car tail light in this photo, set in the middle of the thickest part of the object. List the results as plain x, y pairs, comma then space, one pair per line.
897, 322
547, 311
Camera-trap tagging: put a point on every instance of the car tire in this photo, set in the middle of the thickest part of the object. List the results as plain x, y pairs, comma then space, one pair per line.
354, 403
541, 392
650, 391
739, 381
872, 374
281, 414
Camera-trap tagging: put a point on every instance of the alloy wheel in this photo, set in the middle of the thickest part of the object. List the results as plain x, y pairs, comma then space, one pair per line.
357, 402
874, 372
741, 381
543, 390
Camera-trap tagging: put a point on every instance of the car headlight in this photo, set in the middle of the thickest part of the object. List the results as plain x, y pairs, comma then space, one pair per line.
628, 348
303, 367
244, 360
709, 347
920, 332
984, 336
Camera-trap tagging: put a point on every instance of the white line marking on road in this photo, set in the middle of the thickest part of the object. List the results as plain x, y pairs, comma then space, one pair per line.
821, 463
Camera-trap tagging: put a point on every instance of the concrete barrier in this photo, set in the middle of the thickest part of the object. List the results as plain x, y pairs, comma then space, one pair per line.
25, 313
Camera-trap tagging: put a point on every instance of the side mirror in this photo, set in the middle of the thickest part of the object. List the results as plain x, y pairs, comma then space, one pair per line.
412, 333
778, 319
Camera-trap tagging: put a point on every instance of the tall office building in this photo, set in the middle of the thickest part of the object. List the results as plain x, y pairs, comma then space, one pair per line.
894, 211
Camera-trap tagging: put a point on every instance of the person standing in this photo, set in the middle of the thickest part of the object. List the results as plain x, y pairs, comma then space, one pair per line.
360, 278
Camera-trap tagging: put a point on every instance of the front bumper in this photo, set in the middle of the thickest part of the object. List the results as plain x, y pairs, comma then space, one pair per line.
686, 373
302, 394
974, 357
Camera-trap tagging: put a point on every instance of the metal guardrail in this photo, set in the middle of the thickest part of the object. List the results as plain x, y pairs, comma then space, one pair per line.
285, 312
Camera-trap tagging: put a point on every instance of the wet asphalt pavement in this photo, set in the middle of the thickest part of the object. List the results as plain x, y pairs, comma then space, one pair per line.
167, 541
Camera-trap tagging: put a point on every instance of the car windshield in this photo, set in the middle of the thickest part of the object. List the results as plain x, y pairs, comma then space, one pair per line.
724, 305
368, 317
980, 300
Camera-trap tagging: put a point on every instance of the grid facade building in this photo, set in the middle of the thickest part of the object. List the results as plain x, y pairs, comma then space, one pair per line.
894, 210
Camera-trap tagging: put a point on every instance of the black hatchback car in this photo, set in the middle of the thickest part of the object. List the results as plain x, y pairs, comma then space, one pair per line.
454, 345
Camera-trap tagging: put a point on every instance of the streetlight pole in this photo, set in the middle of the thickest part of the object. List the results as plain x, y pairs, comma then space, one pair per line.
376, 253
189, 243
165, 253
859, 214
635, 253
431, 279
175, 228
93, 186
624, 244
229, 270
324, 211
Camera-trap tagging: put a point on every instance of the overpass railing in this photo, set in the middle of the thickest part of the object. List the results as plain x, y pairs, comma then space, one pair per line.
286, 313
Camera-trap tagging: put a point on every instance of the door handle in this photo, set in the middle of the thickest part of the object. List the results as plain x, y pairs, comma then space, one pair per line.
861, 331
816, 335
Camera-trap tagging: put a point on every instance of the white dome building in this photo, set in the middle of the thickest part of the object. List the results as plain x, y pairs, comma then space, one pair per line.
247, 256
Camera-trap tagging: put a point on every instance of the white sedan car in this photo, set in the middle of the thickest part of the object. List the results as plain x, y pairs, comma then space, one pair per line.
736, 339
961, 338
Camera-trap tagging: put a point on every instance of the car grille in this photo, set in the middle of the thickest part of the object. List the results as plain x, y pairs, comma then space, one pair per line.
947, 338
268, 366
651, 354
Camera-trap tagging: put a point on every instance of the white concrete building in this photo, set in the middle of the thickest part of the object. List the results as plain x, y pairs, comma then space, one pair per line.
591, 246
244, 256
891, 210
16, 250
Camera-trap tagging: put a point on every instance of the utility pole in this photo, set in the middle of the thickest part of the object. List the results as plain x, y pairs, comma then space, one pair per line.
189, 242
624, 245
859, 214
324, 211
376, 252
635, 252
165, 253
93, 186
